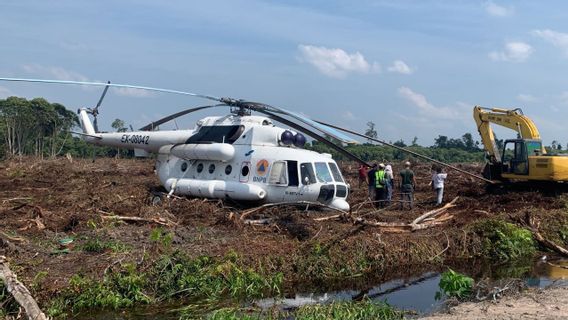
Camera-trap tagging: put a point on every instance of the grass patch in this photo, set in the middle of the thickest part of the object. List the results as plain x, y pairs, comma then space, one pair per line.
171, 276
204, 277
8, 305
454, 285
97, 245
338, 310
348, 310
503, 241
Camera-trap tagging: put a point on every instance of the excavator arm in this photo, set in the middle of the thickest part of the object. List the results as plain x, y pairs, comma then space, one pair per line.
512, 119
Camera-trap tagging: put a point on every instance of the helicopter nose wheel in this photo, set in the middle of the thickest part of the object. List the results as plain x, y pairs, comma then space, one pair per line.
156, 198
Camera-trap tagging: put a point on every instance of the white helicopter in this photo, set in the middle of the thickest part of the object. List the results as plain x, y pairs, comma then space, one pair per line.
238, 156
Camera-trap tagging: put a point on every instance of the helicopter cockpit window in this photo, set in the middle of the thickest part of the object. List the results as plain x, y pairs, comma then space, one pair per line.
307, 173
278, 173
322, 172
335, 172
219, 134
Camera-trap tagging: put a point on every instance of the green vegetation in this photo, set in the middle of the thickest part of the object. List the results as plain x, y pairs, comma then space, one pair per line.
348, 310
369, 152
171, 276
454, 285
97, 245
340, 310
8, 305
503, 241
177, 276
39, 128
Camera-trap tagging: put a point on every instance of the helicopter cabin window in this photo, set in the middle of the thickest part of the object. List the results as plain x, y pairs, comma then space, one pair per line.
228, 169
211, 168
278, 173
183, 166
218, 134
199, 168
335, 172
307, 173
245, 171
292, 173
322, 172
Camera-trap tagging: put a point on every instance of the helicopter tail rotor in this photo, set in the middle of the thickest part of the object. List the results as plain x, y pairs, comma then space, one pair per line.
95, 111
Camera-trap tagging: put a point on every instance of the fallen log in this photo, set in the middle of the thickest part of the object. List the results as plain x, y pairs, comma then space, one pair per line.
161, 221
268, 205
534, 224
435, 212
427, 220
19, 291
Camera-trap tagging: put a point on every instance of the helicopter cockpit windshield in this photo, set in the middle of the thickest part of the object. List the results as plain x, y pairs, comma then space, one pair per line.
322, 172
217, 134
336, 173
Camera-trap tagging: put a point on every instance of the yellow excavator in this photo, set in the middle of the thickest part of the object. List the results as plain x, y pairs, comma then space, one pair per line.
522, 159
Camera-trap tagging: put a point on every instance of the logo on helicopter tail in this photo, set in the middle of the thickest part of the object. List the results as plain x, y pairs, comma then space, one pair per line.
262, 167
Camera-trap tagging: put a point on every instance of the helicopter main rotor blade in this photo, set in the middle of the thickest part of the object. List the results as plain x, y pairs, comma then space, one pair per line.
407, 151
313, 135
305, 120
117, 85
154, 124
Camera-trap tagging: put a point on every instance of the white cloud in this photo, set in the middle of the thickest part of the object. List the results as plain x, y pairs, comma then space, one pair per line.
429, 110
558, 39
57, 73
515, 51
336, 63
349, 116
400, 66
498, 11
5, 92
526, 98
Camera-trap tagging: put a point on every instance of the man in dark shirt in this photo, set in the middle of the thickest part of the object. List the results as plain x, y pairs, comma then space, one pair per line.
407, 184
371, 181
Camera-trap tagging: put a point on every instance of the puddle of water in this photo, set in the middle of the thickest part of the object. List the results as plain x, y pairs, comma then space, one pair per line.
417, 293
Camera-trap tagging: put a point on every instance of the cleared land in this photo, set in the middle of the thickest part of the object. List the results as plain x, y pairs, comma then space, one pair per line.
42, 202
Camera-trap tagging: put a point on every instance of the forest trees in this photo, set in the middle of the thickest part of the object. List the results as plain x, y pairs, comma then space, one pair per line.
34, 127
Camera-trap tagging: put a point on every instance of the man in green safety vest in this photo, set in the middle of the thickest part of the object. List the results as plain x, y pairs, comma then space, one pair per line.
380, 186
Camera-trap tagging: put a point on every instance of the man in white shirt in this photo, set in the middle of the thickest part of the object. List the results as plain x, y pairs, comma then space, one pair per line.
438, 184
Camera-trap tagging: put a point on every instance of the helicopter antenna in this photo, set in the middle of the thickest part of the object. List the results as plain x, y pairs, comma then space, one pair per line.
95, 111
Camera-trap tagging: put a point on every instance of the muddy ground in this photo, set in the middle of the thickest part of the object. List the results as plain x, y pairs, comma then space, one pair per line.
550, 304
42, 202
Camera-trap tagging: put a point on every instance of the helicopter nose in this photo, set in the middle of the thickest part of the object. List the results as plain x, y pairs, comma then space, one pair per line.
340, 204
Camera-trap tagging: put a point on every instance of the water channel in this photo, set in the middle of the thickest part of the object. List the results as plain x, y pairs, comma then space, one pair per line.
415, 292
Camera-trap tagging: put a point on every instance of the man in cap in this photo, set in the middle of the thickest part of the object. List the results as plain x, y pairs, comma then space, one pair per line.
407, 184
381, 186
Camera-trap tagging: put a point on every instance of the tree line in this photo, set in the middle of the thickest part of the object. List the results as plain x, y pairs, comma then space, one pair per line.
42, 129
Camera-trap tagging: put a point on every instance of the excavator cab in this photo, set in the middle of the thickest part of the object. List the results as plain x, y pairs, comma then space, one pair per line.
516, 155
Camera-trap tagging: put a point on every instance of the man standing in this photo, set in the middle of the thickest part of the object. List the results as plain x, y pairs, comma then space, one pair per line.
438, 184
381, 186
407, 184
371, 181
362, 175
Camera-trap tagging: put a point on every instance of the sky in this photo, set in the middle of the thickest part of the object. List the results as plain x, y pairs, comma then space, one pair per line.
414, 68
